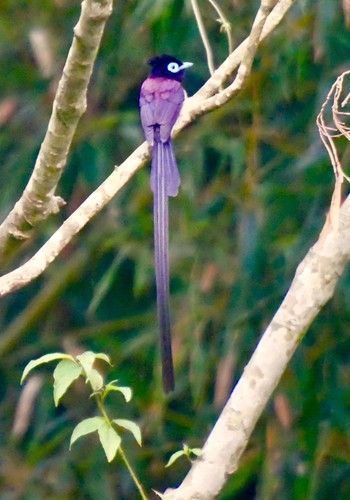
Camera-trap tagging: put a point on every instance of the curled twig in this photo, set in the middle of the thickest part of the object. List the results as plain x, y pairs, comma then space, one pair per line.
329, 133
225, 24
225, 27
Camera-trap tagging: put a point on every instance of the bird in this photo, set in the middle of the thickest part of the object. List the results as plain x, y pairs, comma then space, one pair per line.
161, 99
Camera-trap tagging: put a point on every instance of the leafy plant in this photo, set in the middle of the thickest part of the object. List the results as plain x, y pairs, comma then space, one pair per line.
185, 452
69, 369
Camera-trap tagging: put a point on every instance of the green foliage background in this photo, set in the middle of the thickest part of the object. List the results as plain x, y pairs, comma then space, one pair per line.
256, 185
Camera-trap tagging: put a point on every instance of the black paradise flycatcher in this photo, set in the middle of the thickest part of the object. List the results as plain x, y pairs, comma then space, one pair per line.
161, 99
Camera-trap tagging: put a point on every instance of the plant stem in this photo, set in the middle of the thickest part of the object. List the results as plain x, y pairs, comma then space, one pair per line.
132, 473
102, 408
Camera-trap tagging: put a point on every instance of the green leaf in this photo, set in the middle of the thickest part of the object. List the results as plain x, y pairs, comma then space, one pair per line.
64, 375
186, 449
102, 288
196, 451
110, 440
87, 360
112, 386
161, 495
174, 457
130, 426
42, 360
104, 357
95, 379
127, 393
85, 427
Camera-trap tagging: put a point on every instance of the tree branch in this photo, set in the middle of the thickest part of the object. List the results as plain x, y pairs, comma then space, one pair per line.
91, 206
313, 285
222, 97
101, 196
38, 200
227, 68
200, 102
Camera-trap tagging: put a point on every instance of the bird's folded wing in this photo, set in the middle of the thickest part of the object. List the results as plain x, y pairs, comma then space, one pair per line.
160, 103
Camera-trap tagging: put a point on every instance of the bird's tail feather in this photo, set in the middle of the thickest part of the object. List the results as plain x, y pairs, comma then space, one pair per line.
165, 181
163, 155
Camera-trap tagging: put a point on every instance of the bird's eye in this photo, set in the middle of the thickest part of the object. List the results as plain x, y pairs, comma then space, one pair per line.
173, 67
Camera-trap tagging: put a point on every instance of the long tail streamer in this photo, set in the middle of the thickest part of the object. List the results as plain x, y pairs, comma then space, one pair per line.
165, 182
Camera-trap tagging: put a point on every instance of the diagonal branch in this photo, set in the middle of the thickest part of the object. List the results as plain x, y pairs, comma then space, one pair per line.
102, 195
313, 285
91, 206
38, 200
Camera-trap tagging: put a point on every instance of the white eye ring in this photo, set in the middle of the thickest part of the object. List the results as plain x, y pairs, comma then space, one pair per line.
173, 67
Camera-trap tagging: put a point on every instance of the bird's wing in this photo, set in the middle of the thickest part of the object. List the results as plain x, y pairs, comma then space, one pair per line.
160, 103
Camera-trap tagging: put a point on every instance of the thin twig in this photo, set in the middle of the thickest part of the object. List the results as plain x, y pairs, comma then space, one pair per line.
132, 473
204, 36
227, 68
220, 98
328, 134
225, 24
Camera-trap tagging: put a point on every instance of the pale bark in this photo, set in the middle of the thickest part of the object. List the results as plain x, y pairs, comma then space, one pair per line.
313, 285
193, 108
38, 200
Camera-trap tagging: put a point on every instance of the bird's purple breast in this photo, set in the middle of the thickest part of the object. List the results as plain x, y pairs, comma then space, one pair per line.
160, 102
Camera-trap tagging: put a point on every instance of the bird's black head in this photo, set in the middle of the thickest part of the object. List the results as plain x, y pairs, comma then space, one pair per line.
168, 67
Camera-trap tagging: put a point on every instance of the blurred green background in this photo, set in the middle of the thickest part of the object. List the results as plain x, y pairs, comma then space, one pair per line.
256, 185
